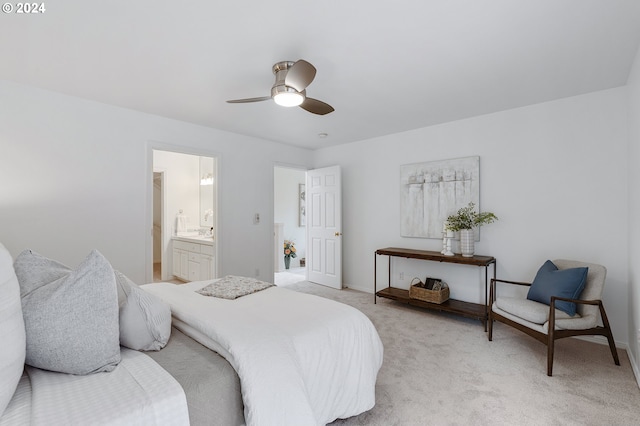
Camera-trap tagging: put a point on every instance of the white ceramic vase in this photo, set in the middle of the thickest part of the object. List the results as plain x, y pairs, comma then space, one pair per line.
467, 242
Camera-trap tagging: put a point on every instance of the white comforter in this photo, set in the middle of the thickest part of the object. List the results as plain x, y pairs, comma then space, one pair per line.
301, 359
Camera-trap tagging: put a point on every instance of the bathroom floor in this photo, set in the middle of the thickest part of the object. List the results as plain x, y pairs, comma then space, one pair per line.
157, 276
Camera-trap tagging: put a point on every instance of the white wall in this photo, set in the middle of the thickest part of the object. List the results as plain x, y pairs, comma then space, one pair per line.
286, 181
554, 173
182, 187
76, 175
560, 175
634, 213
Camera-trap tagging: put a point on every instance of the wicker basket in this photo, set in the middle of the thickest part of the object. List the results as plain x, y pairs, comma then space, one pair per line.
419, 292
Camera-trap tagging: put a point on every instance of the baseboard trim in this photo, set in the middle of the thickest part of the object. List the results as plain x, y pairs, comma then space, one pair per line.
353, 287
634, 365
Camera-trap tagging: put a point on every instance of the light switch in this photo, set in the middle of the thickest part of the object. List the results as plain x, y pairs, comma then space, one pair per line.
256, 219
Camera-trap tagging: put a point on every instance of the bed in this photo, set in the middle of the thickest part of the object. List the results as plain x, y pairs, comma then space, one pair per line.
62, 360
209, 382
138, 391
300, 359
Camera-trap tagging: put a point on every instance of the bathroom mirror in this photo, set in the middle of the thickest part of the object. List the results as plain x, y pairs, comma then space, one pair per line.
207, 191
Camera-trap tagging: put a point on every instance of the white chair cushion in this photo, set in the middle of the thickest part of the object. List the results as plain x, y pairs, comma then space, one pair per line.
535, 312
519, 320
12, 331
577, 323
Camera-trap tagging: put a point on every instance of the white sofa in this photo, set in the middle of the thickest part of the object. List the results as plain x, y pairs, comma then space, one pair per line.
125, 386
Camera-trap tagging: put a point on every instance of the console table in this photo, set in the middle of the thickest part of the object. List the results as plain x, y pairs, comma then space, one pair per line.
467, 309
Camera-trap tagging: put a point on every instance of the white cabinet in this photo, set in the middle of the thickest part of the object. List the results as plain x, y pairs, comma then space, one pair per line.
206, 266
193, 261
180, 263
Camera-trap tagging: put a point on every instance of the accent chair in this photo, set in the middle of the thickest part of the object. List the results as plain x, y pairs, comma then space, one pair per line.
548, 317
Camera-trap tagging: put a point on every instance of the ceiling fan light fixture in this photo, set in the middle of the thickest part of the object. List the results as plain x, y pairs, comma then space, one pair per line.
290, 88
286, 96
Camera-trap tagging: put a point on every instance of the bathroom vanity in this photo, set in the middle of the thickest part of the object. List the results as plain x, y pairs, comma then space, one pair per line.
193, 258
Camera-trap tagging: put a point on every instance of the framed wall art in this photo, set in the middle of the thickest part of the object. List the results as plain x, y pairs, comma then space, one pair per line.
302, 219
431, 191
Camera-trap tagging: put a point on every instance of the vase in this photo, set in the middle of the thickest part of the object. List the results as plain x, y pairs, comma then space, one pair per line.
467, 241
287, 262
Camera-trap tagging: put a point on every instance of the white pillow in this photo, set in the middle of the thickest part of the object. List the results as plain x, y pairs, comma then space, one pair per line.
12, 334
70, 316
145, 319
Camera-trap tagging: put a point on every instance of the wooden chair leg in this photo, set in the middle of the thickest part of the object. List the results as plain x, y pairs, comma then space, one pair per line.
609, 334
490, 335
492, 295
612, 346
551, 335
550, 346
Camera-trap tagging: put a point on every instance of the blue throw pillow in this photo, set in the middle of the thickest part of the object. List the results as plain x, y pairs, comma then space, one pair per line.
551, 281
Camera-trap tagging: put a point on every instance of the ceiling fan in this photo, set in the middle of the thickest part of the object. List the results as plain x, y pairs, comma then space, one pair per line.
292, 78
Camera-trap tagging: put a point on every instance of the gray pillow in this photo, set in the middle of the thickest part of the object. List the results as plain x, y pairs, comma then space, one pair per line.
145, 319
71, 316
12, 333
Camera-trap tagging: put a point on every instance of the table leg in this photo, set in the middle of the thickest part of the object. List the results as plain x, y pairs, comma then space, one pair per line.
375, 277
486, 311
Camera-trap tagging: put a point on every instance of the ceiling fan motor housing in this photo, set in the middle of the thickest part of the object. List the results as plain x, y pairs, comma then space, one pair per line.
285, 95
280, 70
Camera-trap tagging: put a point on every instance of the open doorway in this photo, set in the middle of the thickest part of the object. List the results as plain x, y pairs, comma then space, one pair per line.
185, 219
158, 211
289, 215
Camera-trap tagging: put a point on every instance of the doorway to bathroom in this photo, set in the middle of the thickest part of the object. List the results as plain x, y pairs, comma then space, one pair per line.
158, 212
184, 219
290, 233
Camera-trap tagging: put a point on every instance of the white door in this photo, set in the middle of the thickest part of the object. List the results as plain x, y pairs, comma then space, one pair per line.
324, 226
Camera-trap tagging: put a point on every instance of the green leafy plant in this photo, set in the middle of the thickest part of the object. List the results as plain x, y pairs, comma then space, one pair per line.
468, 218
289, 249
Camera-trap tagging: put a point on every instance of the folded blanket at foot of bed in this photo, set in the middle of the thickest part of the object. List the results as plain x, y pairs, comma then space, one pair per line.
232, 287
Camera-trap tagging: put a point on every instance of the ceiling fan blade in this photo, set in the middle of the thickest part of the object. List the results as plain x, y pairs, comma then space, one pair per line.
244, 101
316, 107
300, 75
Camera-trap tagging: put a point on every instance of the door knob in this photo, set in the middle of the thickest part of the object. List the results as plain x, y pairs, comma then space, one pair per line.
337, 234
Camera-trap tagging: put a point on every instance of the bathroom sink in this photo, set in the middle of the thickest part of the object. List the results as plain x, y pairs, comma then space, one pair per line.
203, 237
194, 236
188, 234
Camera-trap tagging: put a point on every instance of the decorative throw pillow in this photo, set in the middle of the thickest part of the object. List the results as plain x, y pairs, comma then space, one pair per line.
71, 316
551, 281
145, 319
12, 333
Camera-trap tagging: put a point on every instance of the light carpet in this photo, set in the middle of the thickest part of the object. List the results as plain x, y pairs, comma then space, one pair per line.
286, 278
440, 369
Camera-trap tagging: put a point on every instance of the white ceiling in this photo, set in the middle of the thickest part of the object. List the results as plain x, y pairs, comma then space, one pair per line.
385, 66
